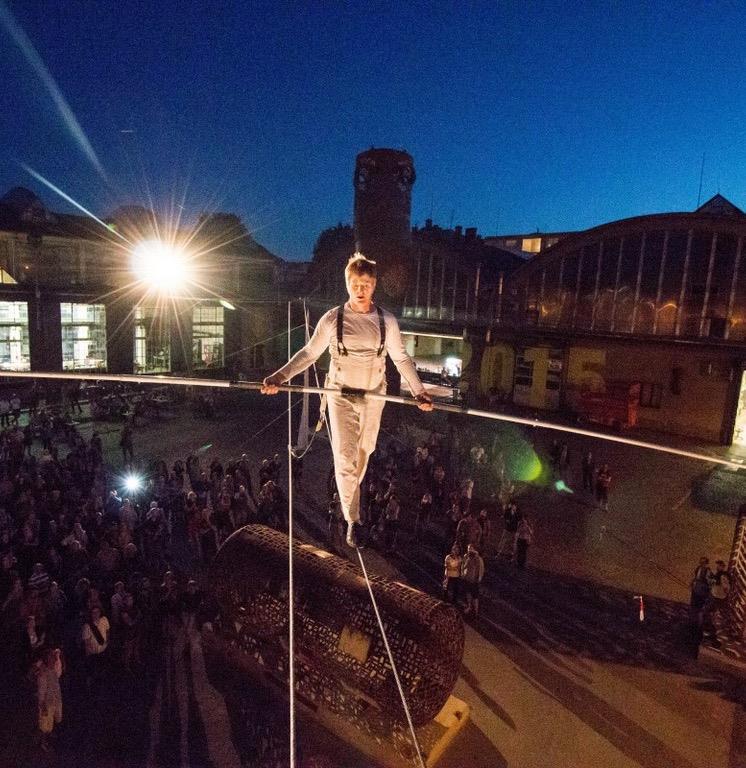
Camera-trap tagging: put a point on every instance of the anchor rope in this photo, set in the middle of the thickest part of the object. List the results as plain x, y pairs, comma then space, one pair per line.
291, 587
415, 741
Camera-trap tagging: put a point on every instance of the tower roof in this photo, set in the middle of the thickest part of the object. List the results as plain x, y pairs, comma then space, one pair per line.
720, 206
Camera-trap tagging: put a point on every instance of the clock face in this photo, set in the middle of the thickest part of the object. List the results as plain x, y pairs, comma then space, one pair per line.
362, 178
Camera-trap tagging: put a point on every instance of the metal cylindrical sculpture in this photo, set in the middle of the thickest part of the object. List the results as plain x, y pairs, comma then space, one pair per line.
337, 639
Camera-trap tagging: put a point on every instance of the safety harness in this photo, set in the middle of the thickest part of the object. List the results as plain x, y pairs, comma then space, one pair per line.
341, 348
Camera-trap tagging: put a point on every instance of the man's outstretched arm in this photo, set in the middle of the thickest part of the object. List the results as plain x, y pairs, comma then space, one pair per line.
310, 353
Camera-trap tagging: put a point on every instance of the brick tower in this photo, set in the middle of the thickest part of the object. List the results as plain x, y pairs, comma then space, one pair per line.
383, 202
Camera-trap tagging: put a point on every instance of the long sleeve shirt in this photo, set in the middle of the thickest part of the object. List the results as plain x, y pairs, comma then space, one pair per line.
361, 367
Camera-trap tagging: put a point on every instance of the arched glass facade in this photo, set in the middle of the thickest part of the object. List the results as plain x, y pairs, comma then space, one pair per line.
675, 275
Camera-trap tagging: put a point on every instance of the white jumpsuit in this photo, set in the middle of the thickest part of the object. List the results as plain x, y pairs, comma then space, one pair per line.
354, 422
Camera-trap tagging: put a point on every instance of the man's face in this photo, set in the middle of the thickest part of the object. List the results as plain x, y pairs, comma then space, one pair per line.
360, 288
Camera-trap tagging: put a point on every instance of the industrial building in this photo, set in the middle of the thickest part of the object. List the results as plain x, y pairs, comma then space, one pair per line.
69, 299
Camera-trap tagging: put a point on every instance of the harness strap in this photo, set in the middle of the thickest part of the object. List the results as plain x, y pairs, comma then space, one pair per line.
341, 348
382, 329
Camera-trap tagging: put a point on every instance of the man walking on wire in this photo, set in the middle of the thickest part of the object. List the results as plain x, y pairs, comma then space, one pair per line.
359, 335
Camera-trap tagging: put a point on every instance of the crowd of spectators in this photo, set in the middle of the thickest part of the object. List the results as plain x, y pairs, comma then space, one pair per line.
90, 584
454, 496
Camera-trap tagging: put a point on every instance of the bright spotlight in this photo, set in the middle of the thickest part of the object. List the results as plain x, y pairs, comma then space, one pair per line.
132, 483
163, 267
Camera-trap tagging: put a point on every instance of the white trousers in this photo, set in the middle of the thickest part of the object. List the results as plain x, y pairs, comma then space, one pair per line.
354, 423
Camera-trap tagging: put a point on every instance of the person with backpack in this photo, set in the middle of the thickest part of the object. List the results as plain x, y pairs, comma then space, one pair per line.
359, 335
472, 573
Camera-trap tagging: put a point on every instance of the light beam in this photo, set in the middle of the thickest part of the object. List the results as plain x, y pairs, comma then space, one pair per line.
21, 39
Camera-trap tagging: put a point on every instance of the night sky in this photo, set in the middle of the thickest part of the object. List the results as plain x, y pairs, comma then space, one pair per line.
519, 115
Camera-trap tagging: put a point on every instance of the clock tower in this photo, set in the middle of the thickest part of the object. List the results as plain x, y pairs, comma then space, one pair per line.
382, 219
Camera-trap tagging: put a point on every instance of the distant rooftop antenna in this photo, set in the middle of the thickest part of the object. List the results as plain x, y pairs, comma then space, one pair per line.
701, 174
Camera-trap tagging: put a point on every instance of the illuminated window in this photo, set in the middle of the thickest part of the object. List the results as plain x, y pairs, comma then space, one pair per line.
14, 346
208, 336
651, 395
152, 341
531, 244
524, 372
83, 336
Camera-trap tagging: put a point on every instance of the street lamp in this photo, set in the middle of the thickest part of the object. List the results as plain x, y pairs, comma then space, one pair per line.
163, 267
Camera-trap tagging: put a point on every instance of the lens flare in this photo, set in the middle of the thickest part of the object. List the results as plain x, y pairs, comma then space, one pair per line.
162, 267
132, 483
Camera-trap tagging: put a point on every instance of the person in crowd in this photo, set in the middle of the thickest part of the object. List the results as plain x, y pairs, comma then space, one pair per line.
127, 445
700, 589
242, 509
130, 617
4, 411
39, 579
719, 589
48, 671
424, 513
511, 518
472, 573
452, 575
524, 539
95, 638
117, 603
190, 601
467, 531
484, 542
588, 469
603, 484
334, 521
15, 408
391, 522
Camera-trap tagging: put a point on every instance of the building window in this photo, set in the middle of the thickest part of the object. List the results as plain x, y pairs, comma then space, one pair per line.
208, 336
651, 395
524, 372
152, 341
14, 346
531, 244
83, 336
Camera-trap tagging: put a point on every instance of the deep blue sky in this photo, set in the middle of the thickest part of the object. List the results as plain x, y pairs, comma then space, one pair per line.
519, 115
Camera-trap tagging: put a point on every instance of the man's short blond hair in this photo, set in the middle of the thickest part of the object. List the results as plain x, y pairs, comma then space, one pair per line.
359, 265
